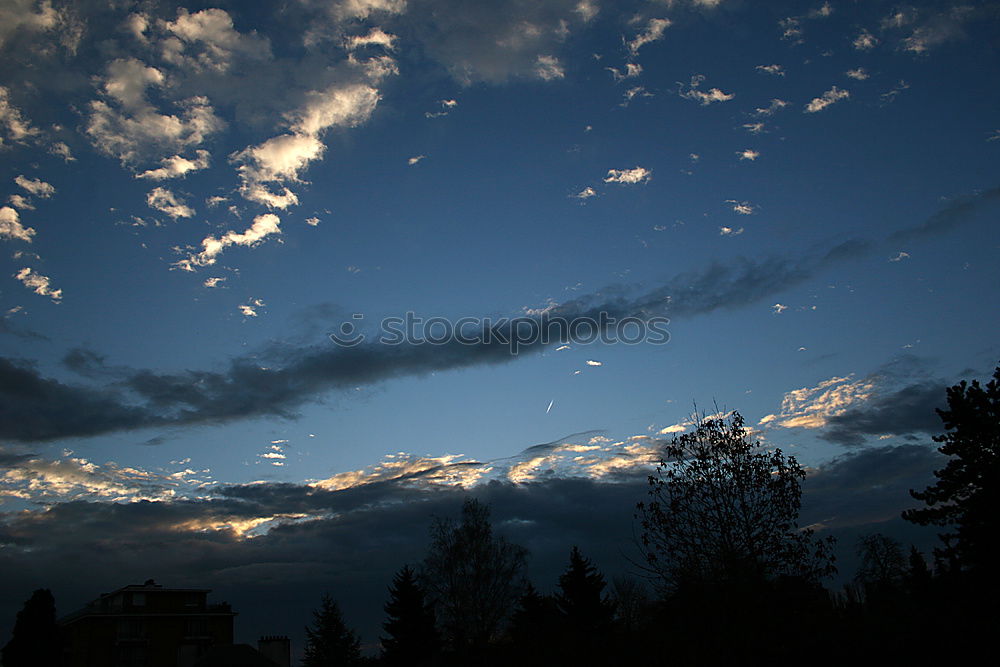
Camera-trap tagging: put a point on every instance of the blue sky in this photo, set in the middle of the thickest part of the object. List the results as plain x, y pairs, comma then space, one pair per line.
194, 193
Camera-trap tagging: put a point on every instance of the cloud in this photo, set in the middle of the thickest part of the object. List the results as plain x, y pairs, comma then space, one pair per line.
165, 201
11, 228
177, 166
313, 221
548, 68
748, 154
938, 29
652, 32
775, 106
900, 257
125, 125
414, 160
729, 231
779, 308
629, 176
13, 125
263, 226
35, 186
754, 128
829, 97
249, 309
375, 37
742, 207
586, 193
276, 384
207, 40
702, 97
213, 282
902, 412
283, 158
776, 70
956, 212
865, 41
21, 202
494, 42
812, 407
858, 74
39, 284
630, 71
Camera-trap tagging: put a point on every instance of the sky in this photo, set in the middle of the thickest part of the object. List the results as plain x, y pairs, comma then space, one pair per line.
794, 204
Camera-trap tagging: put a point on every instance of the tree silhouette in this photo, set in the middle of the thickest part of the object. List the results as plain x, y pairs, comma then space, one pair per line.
535, 628
473, 577
35, 639
882, 561
723, 510
581, 599
967, 490
329, 642
412, 636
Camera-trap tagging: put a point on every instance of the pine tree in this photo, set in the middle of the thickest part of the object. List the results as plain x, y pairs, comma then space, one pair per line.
412, 635
581, 598
329, 642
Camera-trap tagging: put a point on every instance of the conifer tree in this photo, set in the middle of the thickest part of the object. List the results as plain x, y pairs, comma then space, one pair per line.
412, 636
329, 642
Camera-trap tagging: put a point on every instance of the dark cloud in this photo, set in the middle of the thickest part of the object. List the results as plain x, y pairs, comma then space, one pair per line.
955, 213
281, 380
353, 540
905, 411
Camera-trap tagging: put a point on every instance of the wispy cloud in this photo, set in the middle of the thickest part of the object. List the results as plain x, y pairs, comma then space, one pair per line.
629, 176
38, 283
831, 96
263, 226
652, 32
165, 201
11, 228
693, 92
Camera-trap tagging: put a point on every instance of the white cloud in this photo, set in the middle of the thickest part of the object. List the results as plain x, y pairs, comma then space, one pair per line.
776, 70
11, 228
249, 309
20, 201
375, 37
900, 257
13, 125
741, 207
127, 126
779, 308
213, 282
629, 176
748, 154
62, 150
753, 128
313, 221
811, 407
591, 362
548, 68
704, 98
772, 108
729, 231
207, 41
631, 70
177, 166
26, 16
632, 93
865, 41
858, 74
587, 9
35, 186
165, 201
822, 11
211, 247
38, 283
653, 32
586, 193
831, 96
282, 158
938, 29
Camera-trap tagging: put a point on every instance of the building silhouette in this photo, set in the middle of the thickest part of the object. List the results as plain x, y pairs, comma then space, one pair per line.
147, 626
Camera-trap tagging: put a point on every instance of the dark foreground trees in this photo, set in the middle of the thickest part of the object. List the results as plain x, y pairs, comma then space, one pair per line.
329, 642
412, 637
740, 580
723, 510
473, 577
967, 492
35, 639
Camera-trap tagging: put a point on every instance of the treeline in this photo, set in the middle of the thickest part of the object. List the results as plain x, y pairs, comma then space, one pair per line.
723, 575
